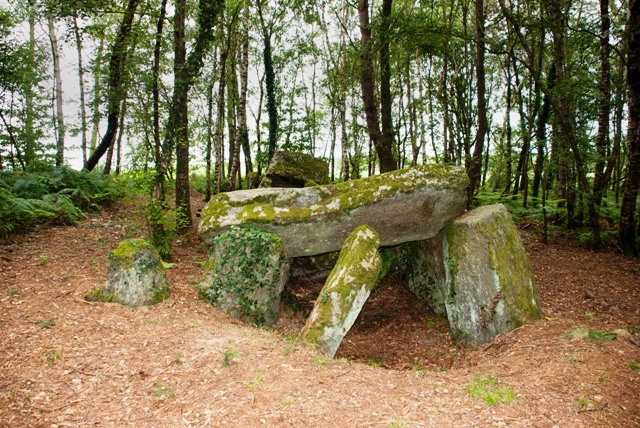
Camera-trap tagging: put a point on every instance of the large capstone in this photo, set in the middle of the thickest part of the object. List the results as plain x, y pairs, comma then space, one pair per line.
295, 169
135, 276
245, 275
405, 205
345, 291
481, 276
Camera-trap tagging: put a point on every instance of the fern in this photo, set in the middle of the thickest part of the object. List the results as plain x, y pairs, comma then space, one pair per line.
47, 193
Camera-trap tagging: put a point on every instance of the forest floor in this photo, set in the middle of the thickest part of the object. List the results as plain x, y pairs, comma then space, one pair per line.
65, 362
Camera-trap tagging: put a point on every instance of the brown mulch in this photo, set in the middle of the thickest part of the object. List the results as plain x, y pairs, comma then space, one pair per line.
182, 363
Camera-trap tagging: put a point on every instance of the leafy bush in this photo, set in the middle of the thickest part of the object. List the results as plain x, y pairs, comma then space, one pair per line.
47, 193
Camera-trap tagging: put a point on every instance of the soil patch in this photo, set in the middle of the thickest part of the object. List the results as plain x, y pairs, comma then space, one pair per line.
182, 363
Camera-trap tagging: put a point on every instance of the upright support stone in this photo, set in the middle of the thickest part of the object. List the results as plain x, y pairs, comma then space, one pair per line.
345, 291
246, 274
135, 276
479, 272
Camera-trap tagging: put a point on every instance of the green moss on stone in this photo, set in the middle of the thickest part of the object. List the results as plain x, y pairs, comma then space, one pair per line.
334, 200
99, 296
358, 265
125, 253
160, 295
243, 274
299, 167
217, 207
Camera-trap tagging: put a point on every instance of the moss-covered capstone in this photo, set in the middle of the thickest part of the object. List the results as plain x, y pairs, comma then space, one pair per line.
482, 277
345, 291
295, 169
405, 205
135, 276
245, 275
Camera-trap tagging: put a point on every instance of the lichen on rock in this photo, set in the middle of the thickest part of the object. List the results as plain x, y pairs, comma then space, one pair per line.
345, 291
402, 206
480, 275
295, 169
135, 276
246, 274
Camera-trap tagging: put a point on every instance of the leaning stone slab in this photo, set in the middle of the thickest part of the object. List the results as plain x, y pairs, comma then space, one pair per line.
246, 274
404, 205
135, 276
345, 291
485, 281
295, 169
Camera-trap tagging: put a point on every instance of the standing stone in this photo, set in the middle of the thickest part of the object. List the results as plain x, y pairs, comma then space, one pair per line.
135, 276
481, 276
402, 206
345, 291
246, 274
295, 169
426, 272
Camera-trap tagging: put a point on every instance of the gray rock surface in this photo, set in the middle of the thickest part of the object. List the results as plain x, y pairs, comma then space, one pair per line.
482, 276
345, 291
295, 169
246, 274
405, 205
135, 276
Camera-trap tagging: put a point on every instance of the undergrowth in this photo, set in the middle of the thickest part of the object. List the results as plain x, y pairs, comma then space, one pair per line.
46, 193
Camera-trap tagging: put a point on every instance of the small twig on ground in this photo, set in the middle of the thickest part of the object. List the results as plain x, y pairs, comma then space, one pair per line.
633, 342
595, 409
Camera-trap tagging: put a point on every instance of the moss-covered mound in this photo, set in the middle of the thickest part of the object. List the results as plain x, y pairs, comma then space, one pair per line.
345, 291
404, 205
246, 274
482, 276
135, 276
295, 169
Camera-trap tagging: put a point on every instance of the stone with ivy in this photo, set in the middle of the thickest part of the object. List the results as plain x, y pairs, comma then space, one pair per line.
135, 276
295, 169
245, 275
345, 291
402, 206
478, 272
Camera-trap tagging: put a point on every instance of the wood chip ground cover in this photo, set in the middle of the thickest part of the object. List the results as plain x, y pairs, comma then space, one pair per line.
68, 363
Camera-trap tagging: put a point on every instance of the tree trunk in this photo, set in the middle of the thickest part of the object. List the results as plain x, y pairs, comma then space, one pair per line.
508, 149
185, 72
158, 190
180, 118
385, 147
83, 111
541, 134
627, 235
58, 94
244, 85
476, 159
604, 108
210, 136
95, 104
30, 136
270, 82
114, 91
241, 126
218, 174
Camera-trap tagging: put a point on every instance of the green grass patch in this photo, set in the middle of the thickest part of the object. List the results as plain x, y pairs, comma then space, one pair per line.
596, 336
489, 390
